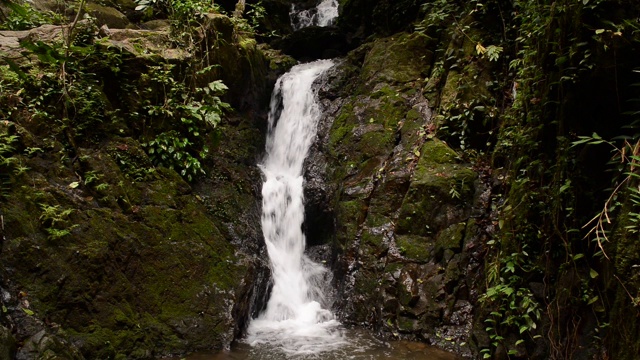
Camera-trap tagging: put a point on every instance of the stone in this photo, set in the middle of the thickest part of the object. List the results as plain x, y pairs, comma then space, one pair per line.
156, 25
109, 16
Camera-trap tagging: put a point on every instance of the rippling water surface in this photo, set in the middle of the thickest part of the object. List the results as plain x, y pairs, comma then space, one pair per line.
358, 345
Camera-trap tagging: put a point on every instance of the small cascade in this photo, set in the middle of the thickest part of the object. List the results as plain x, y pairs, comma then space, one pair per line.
294, 320
324, 14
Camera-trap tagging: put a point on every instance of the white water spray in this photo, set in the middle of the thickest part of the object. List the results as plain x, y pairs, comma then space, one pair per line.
294, 319
324, 14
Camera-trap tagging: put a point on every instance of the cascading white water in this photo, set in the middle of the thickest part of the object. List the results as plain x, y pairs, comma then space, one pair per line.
294, 319
323, 14
327, 12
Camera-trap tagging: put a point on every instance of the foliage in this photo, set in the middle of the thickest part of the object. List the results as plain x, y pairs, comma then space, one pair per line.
24, 17
462, 17
7, 148
626, 161
65, 88
185, 15
538, 213
199, 111
170, 150
55, 220
7, 161
74, 101
515, 310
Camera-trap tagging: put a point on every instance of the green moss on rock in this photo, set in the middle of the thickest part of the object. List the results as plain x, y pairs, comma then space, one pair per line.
416, 248
398, 59
451, 237
438, 184
7, 344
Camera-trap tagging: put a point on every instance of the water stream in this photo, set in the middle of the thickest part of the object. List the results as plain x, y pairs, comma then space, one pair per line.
296, 320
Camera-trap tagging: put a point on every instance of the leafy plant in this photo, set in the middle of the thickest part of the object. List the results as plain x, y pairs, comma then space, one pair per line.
55, 219
199, 111
626, 158
172, 151
24, 17
515, 309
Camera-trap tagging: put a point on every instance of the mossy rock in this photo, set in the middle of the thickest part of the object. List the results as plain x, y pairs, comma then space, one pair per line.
415, 248
108, 16
278, 61
438, 186
7, 344
398, 59
389, 193
407, 324
123, 262
44, 345
367, 127
156, 25
451, 238
349, 216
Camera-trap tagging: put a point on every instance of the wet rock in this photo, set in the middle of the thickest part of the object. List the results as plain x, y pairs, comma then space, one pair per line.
43, 345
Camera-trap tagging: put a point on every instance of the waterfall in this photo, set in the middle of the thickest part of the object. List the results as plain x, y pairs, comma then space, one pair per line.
294, 319
323, 14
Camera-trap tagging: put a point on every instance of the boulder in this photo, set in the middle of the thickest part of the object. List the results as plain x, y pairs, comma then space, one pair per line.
108, 16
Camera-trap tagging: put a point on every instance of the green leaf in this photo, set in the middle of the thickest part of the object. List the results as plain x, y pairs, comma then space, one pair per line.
566, 186
28, 311
594, 274
577, 256
218, 86
523, 328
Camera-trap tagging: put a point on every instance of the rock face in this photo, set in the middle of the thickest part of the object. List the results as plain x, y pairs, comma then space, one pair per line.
314, 42
403, 201
105, 255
